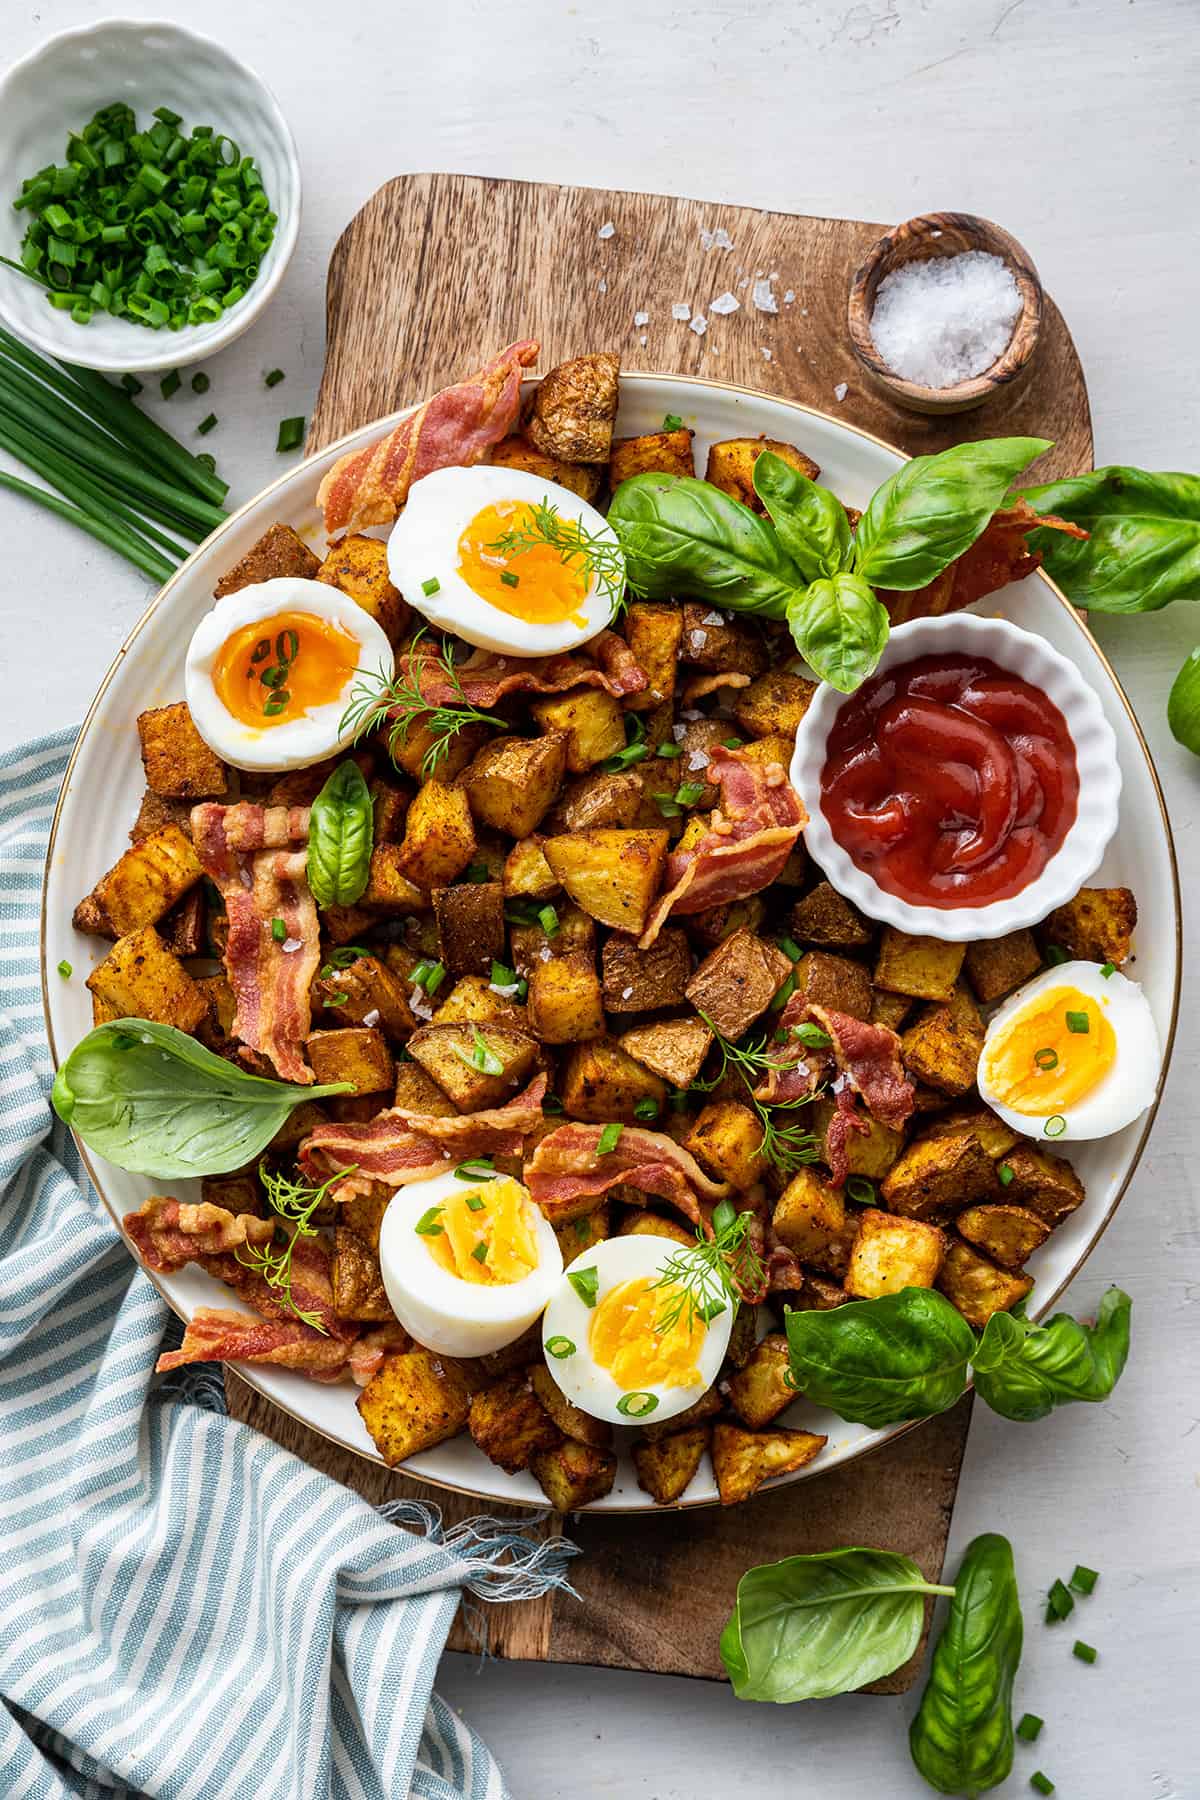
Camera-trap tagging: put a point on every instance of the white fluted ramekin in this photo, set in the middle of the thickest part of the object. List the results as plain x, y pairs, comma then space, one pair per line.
1032, 659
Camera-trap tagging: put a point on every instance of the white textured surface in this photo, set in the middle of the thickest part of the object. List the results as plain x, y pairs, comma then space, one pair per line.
1074, 127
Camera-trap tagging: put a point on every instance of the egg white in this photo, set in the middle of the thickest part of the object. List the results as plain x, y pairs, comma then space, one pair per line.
315, 734
443, 1312
568, 1315
423, 547
1128, 1088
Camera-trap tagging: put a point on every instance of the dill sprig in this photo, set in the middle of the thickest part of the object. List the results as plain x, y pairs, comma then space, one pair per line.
294, 1202
596, 555
789, 1146
395, 703
710, 1275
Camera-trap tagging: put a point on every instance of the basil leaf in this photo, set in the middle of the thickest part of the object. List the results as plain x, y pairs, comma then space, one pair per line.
152, 1100
876, 1362
812, 1626
341, 833
840, 628
1023, 1371
1144, 548
683, 536
811, 522
934, 508
961, 1739
1183, 705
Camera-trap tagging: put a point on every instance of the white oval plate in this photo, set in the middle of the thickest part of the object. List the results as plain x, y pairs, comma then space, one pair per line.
104, 785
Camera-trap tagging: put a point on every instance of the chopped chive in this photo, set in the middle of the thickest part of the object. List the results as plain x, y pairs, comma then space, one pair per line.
548, 920
1084, 1579
667, 805
481, 1057
291, 434
637, 1405
646, 1108
64, 968
480, 1168
712, 1309
860, 1189
272, 378
170, 384
1108, 969
724, 1213
1006, 1175
1046, 1059
278, 930
608, 1140
552, 1106
786, 989
672, 422
559, 1347
668, 751
503, 976
1079, 1023
206, 424
508, 579
427, 1225
477, 873
1029, 1727
1055, 1126
480, 1253
1059, 1604
1041, 1784
586, 1283
200, 382
732, 743
689, 792
132, 385
435, 978
431, 587
1055, 954
474, 1203
811, 1034
1083, 1651
791, 949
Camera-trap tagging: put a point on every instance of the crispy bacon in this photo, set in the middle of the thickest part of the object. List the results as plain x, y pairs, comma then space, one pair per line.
846, 1120
218, 1334
998, 555
311, 1287
455, 428
869, 1057
368, 1351
750, 837
567, 1166
784, 1272
701, 686
247, 850
169, 1233
486, 678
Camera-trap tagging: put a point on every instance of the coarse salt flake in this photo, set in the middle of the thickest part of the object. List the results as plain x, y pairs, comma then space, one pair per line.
716, 240
764, 296
766, 353
602, 285
678, 732
681, 310
947, 318
699, 759
291, 945
712, 617
371, 1018
724, 303
840, 391
607, 230
642, 340
697, 639
789, 296
641, 318
626, 993
699, 324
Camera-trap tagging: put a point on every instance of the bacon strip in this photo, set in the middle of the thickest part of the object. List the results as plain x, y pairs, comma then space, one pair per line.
998, 555
749, 839
487, 678
168, 1234
567, 1166
456, 427
869, 1057
218, 1334
311, 1287
246, 850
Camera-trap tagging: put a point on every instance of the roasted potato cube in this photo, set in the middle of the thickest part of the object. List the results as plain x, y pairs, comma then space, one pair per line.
825, 919
716, 923
527, 874
141, 979
731, 466
470, 922
924, 968
439, 839
978, 1121
417, 1092
1096, 926
358, 1290
239, 1192
706, 1407
574, 409
672, 1048
870, 1153
1044, 1184
565, 1002
155, 811
613, 875
942, 1047
509, 1423
654, 453
726, 1140
665, 1468
759, 1391
600, 803
638, 980
184, 929
389, 805
363, 1213
937, 1176
737, 981
743, 1460
571, 1420
177, 761
977, 1287
141, 886
599, 1082
817, 1295
409, 752
414, 1401
279, 552
473, 999
653, 631
513, 782
889, 1009
998, 965
743, 1336
773, 704
359, 567
579, 1234
721, 645
652, 1224
583, 479
890, 1254
574, 1473
353, 1053
811, 1217
367, 989
388, 887
300, 787
518, 1357
1008, 1234
346, 924
767, 750
476, 1065
573, 932
834, 982
591, 721
297, 1126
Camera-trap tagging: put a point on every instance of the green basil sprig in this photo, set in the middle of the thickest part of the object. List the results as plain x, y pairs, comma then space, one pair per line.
1023, 1371
152, 1100
341, 833
842, 627
1183, 704
812, 524
813, 1626
684, 536
1143, 550
961, 1739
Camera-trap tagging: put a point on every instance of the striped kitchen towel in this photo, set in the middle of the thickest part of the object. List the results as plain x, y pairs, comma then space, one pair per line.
186, 1610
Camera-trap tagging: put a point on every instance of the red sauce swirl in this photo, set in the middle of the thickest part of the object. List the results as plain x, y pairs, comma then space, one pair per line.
950, 781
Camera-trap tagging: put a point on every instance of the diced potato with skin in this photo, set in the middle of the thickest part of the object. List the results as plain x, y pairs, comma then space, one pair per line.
743, 1337
672, 1048
141, 979
358, 1290
356, 1109
937, 1176
613, 875
977, 1287
889, 1009
737, 981
297, 1126
980, 1122
654, 453
184, 928
156, 811
389, 805
571, 1420
759, 1392
653, 631
824, 918
583, 479
722, 645
439, 839
473, 999
510, 1425
834, 982
743, 1460
368, 990
142, 886
705, 1408
279, 552
942, 1048
1096, 926
924, 968
451, 1055
598, 1082
716, 923
565, 1001
652, 1224
527, 874
580, 1234
300, 787
574, 408
239, 1192
767, 750
352, 1053
811, 1217
408, 752
1008, 1234
726, 1140
638, 980
412, 1402
481, 1372
773, 704
347, 924
417, 1092
731, 466
1043, 1183
890, 1254
600, 803
574, 1474
996, 966
177, 761
532, 944
471, 928
513, 782
927, 1100
665, 1469
359, 567
363, 1213
818, 1295
592, 721
870, 1153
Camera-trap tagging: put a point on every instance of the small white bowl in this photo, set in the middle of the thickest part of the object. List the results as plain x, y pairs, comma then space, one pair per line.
1030, 657
146, 63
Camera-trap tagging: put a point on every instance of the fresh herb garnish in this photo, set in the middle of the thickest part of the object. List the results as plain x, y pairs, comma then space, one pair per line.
480, 1168
295, 1202
1108, 969
1078, 1023
789, 1147
595, 555
586, 1283
395, 704
429, 1224
273, 377
207, 424
559, 1347
1040, 1783
646, 1108
64, 968
672, 422
291, 434
1084, 1579
636, 748
637, 1405
715, 1272
1055, 1126
1029, 1727
608, 1140
480, 1253
341, 832
480, 1056
1046, 1059
170, 384
1083, 1651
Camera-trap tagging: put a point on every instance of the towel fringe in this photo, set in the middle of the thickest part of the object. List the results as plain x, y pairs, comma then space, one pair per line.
502, 1563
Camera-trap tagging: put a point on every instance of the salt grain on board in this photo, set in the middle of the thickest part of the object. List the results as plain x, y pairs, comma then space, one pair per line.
642, 340
641, 318
716, 240
766, 354
945, 319
764, 298
607, 230
724, 303
699, 324
789, 296
681, 310
602, 285
840, 391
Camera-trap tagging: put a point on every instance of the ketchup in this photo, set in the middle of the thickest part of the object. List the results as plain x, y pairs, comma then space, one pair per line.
950, 781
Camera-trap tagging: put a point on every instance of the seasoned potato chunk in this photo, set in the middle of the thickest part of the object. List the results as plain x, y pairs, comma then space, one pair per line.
646, 980
599, 1082
923, 968
817, 1295
759, 1391
834, 982
773, 704
177, 761
598, 802
673, 1048
579, 1234
722, 645
473, 998
613, 875
417, 1092
653, 631
1008, 1234
184, 928
573, 1474
889, 1009
280, 551
737, 981
509, 1423
470, 922
476, 1065
358, 1290
141, 979
654, 453
389, 889
513, 782
414, 1401
665, 1468
1043, 1183
352, 1053
527, 874
977, 1287
571, 1420
447, 757
825, 919
652, 1224
363, 1213
811, 1217
743, 1460
979, 1122
870, 1153
571, 930
731, 466
574, 409
706, 1407
141, 886
726, 1140
368, 989
998, 965
156, 811
590, 719
1096, 926
936, 1176
359, 567
565, 1003
942, 1047
583, 479
890, 1254
439, 838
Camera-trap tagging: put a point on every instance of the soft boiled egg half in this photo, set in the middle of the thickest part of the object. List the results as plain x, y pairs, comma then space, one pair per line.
1073, 1054
622, 1340
468, 1264
506, 561
271, 668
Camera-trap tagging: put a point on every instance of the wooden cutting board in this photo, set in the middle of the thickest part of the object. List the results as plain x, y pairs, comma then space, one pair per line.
432, 276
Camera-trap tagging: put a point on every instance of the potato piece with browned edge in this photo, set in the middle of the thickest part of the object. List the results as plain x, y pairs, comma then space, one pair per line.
412, 1402
574, 408
579, 1234
942, 1048
279, 552
726, 1140
996, 966
651, 1224
716, 923
573, 1474
417, 1092
141, 979
653, 631
527, 874
811, 1217
592, 721
509, 1423
743, 1460
737, 981
1043, 1183
721, 645
731, 466
654, 453
870, 1153
889, 1009
353, 1053
571, 1420
185, 928
672, 1048
637, 980
665, 1468
142, 886
239, 1192
773, 704
824, 918
924, 968
476, 1065
1008, 1234
389, 888
977, 1287
973, 1119
388, 807
359, 567
155, 811
613, 875
774, 748
583, 479
890, 1254
363, 1213
358, 1290
470, 922
177, 761
571, 930
1096, 926
938, 1176
817, 1295
298, 1125
446, 757
834, 982
513, 782
698, 1413
473, 999
600, 1083
565, 1001
368, 989
760, 1391
439, 838
598, 802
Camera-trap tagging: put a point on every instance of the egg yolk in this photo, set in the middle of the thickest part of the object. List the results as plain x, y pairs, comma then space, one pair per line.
624, 1338
1052, 1053
487, 1234
536, 584
280, 668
